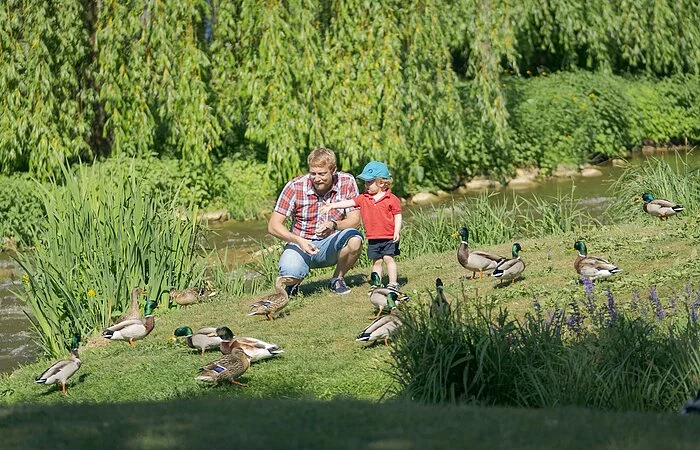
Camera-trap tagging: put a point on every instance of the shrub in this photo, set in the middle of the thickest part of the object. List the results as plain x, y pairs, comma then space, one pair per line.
103, 236
22, 209
591, 353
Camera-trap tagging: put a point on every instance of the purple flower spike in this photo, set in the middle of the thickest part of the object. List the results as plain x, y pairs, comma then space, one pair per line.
656, 303
612, 309
575, 321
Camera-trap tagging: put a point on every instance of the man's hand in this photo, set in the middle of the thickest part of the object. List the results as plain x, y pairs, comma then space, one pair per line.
397, 236
307, 246
325, 229
325, 208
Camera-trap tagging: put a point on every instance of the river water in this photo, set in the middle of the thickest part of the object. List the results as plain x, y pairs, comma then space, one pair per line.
241, 238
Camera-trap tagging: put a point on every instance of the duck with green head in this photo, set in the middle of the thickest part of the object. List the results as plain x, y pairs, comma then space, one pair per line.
475, 261
592, 267
383, 298
660, 207
60, 371
227, 368
204, 339
512, 268
135, 329
255, 349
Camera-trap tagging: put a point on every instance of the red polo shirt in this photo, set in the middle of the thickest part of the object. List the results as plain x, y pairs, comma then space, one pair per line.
378, 216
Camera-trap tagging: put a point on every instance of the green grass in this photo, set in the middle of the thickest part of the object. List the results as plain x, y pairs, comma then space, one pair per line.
335, 381
337, 424
322, 360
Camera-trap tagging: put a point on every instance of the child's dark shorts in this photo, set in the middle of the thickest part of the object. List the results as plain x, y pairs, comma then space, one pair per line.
377, 248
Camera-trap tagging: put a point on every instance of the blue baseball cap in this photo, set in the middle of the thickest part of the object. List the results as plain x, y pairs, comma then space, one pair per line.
374, 169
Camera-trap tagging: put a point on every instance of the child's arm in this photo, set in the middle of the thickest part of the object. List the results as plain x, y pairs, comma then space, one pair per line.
398, 219
326, 207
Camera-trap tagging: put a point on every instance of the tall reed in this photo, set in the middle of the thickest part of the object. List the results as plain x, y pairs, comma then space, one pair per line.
557, 215
678, 182
101, 239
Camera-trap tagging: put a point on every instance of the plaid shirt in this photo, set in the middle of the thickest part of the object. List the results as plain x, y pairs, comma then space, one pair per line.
300, 200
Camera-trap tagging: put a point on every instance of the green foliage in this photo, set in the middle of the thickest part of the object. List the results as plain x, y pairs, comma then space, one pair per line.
491, 221
438, 89
679, 183
569, 117
153, 72
588, 355
102, 237
46, 113
241, 187
22, 209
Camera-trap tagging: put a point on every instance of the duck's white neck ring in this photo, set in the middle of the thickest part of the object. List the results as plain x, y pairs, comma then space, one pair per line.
465, 242
582, 256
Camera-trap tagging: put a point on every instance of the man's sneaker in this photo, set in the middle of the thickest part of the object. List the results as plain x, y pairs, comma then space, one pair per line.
338, 286
394, 286
292, 289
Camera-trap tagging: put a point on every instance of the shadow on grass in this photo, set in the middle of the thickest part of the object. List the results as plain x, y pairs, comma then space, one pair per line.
334, 424
505, 284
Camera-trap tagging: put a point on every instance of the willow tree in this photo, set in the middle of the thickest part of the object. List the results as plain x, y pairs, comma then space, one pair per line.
123, 73
46, 112
439, 148
362, 106
152, 71
280, 76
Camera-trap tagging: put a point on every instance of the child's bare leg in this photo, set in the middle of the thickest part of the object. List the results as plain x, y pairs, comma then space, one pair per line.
391, 269
377, 267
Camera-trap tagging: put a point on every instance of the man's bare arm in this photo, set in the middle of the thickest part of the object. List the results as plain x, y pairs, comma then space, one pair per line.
275, 226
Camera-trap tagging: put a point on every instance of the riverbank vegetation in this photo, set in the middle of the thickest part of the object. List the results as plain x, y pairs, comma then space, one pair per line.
440, 90
652, 303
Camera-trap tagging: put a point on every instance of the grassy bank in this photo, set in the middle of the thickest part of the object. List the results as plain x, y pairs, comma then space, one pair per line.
322, 361
338, 424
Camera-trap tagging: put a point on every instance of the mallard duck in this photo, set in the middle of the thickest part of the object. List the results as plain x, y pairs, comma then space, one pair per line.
273, 303
190, 295
439, 306
255, 349
134, 312
60, 371
204, 339
381, 328
692, 406
475, 261
383, 297
592, 267
659, 207
510, 269
226, 368
135, 329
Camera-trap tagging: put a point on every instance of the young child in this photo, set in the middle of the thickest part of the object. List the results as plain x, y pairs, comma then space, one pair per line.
381, 217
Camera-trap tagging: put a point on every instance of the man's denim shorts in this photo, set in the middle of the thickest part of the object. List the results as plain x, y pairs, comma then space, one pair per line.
295, 263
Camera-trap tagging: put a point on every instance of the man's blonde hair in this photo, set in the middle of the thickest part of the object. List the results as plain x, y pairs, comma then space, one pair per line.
322, 157
384, 183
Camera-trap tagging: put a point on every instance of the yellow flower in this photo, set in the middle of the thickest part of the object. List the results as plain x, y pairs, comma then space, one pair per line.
25, 278
91, 292
591, 95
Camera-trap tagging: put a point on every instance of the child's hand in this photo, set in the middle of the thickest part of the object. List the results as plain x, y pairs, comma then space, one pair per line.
397, 236
325, 208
